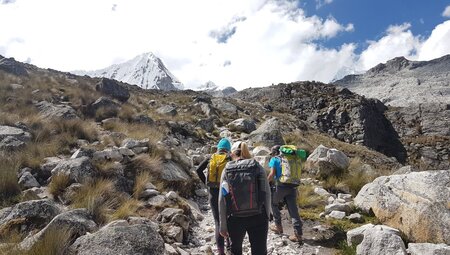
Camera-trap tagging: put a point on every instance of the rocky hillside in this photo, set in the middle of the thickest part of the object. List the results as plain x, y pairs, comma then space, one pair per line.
146, 71
95, 166
401, 82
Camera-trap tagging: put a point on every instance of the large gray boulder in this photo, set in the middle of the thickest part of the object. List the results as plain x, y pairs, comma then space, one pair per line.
268, 134
171, 171
375, 240
12, 138
62, 111
78, 221
123, 240
327, 161
415, 203
242, 125
113, 88
78, 170
29, 214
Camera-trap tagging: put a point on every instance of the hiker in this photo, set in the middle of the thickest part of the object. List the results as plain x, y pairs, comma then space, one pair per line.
244, 202
284, 190
215, 165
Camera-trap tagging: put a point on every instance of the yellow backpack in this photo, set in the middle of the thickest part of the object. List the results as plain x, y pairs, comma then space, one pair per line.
216, 165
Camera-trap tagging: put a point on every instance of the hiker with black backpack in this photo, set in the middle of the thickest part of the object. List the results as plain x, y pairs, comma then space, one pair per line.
285, 169
244, 202
215, 165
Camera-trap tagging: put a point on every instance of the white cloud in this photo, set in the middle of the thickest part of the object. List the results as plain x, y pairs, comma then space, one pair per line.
321, 3
398, 41
230, 42
446, 12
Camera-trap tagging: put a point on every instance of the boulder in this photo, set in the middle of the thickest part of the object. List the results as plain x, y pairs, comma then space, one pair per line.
261, 151
206, 124
242, 125
78, 170
61, 111
12, 138
428, 249
328, 161
29, 214
109, 106
113, 88
124, 240
133, 143
267, 134
167, 110
10, 65
171, 171
28, 181
381, 240
415, 203
78, 221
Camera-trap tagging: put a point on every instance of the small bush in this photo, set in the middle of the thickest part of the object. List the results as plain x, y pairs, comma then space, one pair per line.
126, 113
345, 249
58, 184
76, 128
105, 113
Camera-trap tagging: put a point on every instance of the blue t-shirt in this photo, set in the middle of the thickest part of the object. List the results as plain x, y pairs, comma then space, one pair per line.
275, 162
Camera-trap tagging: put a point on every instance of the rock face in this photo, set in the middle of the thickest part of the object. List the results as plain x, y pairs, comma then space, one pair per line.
124, 240
401, 82
268, 134
424, 131
415, 203
335, 111
49, 110
113, 88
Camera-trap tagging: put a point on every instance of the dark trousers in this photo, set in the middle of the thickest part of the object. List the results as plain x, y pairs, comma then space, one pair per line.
255, 226
289, 194
214, 203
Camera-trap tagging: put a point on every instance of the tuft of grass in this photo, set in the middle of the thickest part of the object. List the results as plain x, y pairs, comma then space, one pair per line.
98, 197
126, 209
126, 113
308, 199
105, 113
141, 180
106, 169
146, 163
9, 187
58, 184
76, 128
137, 131
55, 242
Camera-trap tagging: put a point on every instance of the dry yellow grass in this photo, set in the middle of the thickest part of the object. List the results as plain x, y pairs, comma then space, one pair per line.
58, 184
126, 209
141, 180
308, 199
9, 188
137, 131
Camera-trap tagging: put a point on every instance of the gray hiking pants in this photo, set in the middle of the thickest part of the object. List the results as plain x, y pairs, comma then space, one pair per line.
289, 194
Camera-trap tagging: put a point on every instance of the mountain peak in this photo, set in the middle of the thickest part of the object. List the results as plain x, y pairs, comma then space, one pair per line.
145, 70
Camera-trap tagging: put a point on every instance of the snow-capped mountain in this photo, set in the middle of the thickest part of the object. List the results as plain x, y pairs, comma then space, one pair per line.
215, 90
146, 71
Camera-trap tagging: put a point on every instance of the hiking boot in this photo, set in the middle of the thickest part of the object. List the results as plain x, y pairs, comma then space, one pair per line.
277, 229
297, 238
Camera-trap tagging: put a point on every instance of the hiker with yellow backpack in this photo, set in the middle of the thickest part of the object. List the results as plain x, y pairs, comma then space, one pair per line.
285, 169
215, 165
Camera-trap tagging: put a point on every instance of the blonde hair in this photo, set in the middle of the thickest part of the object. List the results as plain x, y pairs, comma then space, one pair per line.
242, 151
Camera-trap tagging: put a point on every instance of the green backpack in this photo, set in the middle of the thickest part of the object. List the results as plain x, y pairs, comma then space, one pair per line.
291, 164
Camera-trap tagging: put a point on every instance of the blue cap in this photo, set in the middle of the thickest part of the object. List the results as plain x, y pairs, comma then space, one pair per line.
224, 144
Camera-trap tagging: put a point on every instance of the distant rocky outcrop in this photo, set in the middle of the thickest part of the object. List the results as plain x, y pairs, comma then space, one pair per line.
335, 111
415, 203
401, 82
11, 66
113, 88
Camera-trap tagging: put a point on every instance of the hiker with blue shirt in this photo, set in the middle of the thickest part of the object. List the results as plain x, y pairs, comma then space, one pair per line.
285, 189
215, 165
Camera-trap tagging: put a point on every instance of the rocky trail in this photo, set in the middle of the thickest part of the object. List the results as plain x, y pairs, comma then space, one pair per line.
203, 241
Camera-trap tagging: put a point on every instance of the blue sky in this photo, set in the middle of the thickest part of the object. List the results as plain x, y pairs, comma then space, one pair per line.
237, 43
372, 17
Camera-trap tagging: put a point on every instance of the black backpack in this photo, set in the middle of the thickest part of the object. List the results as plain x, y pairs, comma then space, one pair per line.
243, 197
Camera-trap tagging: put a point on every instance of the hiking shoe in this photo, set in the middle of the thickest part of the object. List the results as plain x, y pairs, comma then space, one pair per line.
277, 229
297, 238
